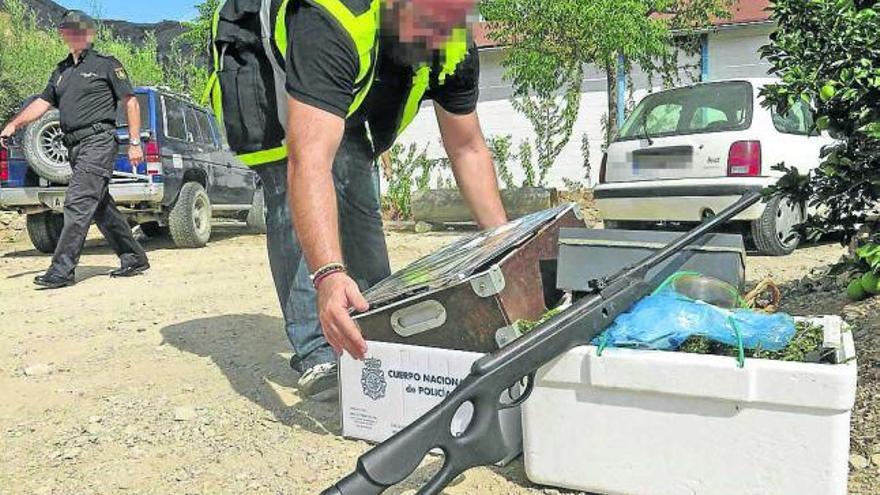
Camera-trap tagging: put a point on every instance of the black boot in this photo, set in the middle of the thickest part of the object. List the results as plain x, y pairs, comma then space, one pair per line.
51, 281
131, 270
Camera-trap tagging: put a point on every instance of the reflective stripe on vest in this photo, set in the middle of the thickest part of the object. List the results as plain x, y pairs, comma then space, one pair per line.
363, 30
454, 53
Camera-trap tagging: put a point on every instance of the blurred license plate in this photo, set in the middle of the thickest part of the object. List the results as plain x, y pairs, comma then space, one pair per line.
675, 158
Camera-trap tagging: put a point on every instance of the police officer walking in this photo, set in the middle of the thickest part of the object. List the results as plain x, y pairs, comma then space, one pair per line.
86, 87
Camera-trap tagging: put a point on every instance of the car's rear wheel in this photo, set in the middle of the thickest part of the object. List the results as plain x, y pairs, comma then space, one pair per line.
190, 220
256, 218
44, 230
775, 233
44, 151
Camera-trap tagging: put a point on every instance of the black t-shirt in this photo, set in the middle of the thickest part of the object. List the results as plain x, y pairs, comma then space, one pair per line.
87, 92
323, 65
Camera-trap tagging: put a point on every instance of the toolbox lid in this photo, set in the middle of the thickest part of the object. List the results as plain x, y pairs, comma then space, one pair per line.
462, 259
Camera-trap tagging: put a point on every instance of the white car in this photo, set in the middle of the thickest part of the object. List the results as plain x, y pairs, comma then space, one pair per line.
687, 153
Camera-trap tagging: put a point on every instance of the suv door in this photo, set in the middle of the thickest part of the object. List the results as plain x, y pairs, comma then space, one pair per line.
238, 181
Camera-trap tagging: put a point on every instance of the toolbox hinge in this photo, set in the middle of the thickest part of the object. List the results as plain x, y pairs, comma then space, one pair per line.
489, 283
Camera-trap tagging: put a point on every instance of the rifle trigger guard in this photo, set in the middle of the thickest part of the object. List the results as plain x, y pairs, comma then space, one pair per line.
524, 396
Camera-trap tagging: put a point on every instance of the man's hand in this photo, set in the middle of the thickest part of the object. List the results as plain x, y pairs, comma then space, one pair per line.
135, 156
7, 133
337, 295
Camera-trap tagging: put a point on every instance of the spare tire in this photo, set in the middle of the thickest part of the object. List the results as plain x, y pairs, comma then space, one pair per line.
44, 151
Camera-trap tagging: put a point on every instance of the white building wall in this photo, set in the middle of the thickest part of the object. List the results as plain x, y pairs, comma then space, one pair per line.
733, 53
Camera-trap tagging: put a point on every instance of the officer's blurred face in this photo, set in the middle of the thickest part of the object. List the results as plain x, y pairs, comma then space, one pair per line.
77, 40
422, 27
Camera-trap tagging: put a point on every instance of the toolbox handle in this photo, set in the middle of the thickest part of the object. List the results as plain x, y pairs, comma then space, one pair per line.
418, 318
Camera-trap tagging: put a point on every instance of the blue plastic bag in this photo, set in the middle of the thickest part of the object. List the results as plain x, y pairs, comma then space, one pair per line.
664, 320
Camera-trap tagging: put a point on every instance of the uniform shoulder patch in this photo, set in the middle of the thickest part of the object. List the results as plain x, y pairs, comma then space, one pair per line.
120, 73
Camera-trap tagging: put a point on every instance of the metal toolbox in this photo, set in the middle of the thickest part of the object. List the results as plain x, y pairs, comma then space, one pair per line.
586, 255
461, 296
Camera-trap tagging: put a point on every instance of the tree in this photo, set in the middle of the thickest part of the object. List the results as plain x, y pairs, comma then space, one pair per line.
826, 54
29, 54
550, 41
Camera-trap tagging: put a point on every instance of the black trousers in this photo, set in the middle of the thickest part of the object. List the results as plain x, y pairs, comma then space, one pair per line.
88, 199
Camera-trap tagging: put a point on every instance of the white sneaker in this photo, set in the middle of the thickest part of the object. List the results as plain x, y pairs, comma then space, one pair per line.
318, 379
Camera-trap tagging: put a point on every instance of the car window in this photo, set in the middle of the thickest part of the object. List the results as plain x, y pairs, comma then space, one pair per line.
725, 106
663, 119
798, 120
708, 117
205, 127
194, 126
175, 121
144, 103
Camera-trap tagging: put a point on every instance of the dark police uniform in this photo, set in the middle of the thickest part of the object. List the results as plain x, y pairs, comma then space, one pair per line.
86, 94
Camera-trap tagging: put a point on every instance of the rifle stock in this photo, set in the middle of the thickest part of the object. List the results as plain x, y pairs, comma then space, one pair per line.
391, 462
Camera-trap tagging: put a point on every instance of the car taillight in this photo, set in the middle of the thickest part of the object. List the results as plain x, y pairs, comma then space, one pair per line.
4, 164
603, 170
152, 155
744, 159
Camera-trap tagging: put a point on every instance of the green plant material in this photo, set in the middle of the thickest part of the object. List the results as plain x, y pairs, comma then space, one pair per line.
855, 291
527, 164
501, 149
805, 346
870, 283
551, 40
30, 52
870, 255
526, 326
825, 53
410, 173
552, 120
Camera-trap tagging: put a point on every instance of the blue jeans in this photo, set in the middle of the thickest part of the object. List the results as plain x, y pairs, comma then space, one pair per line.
363, 243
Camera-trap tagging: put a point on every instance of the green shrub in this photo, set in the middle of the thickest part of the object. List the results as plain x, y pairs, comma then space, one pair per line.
827, 55
30, 52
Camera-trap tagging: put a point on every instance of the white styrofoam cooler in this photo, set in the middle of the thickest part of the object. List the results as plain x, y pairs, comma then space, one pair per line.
666, 423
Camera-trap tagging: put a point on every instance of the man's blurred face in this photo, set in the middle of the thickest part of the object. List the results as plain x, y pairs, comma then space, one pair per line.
77, 40
422, 27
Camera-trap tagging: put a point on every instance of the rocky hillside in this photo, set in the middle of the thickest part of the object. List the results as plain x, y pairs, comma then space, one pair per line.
48, 13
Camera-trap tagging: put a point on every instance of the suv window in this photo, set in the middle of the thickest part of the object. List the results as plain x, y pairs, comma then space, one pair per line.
697, 109
798, 120
193, 125
175, 121
122, 116
205, 126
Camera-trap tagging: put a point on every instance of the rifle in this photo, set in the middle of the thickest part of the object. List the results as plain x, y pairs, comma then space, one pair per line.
391, 462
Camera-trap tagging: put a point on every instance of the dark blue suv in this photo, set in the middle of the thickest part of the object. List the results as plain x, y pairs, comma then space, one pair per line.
189, 179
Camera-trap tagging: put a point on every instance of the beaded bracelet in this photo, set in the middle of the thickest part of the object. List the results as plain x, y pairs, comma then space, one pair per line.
325, 271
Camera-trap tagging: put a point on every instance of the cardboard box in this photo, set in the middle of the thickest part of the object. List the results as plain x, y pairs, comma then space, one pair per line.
396, 384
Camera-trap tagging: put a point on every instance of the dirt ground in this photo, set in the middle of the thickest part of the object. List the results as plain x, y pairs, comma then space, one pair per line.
177, 382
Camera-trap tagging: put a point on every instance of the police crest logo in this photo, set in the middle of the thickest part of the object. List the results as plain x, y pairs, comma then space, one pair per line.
373, 379
120, 73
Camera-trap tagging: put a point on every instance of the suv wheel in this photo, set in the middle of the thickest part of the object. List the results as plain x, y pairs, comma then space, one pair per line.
775, 233
44, 151
256, 218
44, 230
190, 220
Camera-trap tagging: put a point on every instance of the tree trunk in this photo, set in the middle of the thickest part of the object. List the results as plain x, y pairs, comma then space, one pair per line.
611, 78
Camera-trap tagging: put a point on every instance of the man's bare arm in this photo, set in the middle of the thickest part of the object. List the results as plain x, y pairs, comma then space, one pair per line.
314, 136
31, 113
472, 166
133, 111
